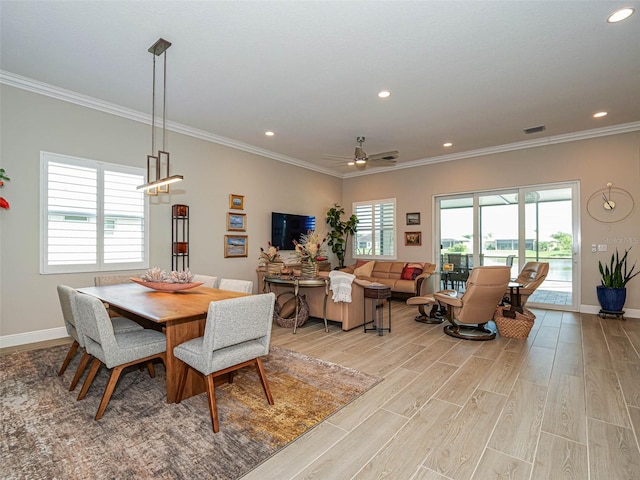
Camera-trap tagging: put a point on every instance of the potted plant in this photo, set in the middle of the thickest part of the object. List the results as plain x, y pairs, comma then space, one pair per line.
612, 291
340, 232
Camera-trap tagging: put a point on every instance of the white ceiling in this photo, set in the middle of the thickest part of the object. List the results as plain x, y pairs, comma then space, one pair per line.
475, 73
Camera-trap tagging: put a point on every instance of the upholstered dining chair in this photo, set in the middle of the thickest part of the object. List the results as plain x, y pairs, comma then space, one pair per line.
469, 313
244, 286
115, 350
237, 334
531, 277
67, 296
207, 280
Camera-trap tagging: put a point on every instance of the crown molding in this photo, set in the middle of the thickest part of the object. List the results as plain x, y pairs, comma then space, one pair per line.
58, 93
510, 147
24, 83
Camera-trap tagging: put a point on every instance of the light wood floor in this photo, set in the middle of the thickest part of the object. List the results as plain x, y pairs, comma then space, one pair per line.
563, 404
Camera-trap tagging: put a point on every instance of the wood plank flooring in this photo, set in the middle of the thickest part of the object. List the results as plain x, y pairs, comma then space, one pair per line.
562, 404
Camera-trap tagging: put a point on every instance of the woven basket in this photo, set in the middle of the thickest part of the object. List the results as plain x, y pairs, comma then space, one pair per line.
518, 327
303, 311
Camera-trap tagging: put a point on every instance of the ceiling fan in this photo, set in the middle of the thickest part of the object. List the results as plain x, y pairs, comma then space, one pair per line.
361, 160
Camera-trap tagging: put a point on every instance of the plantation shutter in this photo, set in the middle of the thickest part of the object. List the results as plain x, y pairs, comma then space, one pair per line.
375, 237
93, 218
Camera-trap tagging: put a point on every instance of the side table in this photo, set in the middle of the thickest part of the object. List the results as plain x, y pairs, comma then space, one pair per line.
296, 283
378, 294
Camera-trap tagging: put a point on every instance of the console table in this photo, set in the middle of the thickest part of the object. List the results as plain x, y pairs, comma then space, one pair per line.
296, 283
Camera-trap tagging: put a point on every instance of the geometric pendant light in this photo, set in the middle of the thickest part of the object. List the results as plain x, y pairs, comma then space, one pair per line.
159, 163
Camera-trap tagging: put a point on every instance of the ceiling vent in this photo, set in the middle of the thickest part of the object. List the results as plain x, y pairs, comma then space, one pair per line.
530, 130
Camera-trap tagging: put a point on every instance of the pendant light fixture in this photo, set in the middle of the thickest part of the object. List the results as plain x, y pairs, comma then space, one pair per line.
156, 164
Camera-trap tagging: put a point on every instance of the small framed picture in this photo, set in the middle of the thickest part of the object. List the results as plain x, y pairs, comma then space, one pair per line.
412, 239
236, 222
235, 246
413, 218
236, 202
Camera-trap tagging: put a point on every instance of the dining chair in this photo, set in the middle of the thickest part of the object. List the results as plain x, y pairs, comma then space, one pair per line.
115, 350
207, 280
244, 286
67, 296
469, 313
237, 333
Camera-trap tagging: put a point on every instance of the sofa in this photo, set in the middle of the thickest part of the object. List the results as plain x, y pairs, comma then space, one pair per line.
406, 279
352, 315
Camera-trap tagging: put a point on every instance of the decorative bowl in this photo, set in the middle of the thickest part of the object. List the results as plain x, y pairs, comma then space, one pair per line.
166, 287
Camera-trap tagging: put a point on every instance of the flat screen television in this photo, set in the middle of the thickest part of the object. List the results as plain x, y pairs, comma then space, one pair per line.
287, 227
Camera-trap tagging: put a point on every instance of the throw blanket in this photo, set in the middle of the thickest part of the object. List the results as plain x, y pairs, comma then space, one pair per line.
341, 286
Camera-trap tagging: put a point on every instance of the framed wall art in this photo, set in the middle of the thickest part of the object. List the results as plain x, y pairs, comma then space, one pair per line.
236, 202
235, 246
412, 239
236, 222
413, 218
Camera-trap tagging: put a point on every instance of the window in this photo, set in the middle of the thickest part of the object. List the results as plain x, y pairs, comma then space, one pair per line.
93, 218
376, 235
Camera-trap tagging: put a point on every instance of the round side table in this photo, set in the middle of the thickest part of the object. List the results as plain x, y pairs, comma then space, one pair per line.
378, 294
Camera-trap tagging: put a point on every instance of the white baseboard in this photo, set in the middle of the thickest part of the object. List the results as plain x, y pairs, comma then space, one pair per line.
32, 337
595, 309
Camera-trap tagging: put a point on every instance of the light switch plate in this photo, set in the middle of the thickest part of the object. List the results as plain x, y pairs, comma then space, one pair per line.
602, 248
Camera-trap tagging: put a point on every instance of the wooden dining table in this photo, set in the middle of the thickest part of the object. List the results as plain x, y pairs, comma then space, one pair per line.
180, 315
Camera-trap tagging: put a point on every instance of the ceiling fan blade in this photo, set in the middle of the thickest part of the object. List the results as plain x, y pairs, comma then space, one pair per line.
381, 162
385, 155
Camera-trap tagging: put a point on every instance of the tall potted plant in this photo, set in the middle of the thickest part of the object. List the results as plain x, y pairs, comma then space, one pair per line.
340, 231
612, 292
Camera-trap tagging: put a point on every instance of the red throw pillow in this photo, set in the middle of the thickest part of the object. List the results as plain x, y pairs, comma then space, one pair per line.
407, 273
410, 273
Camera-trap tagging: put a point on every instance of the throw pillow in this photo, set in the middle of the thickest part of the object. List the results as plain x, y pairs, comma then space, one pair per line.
410, 273
407, 273
288, 309
415, 265
365, 270
360, 263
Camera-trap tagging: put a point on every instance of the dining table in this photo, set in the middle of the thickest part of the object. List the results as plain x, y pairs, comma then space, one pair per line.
181, 315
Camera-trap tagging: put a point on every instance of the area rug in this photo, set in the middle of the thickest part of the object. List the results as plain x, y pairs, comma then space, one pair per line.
47, 434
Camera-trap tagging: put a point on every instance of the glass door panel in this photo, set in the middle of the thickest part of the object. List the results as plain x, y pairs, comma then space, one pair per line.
512, 227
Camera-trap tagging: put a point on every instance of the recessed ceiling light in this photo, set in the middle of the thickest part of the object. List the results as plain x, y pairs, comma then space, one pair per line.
269, 134
620, 15
384, 94
448, 144
599, 114
351, 163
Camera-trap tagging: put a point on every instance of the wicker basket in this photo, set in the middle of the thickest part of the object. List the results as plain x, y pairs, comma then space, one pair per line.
518, 327
303, 311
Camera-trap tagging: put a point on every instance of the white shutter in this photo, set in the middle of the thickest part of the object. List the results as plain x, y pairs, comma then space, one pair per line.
93, 218
376, 233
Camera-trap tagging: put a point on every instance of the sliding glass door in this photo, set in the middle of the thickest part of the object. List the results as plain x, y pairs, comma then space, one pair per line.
512, 227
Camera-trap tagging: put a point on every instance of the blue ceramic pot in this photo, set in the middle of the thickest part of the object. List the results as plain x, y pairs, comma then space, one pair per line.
611, 299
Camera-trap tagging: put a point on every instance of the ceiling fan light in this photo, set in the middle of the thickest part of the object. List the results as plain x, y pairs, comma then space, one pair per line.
351, 163
360, 161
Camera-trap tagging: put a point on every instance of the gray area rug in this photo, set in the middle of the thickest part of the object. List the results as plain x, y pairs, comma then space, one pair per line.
47, 434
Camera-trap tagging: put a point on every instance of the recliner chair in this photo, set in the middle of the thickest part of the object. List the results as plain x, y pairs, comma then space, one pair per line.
469, 313
531, 277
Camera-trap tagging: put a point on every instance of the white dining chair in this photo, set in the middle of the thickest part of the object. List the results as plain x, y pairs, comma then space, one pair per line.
244, 286
207, 280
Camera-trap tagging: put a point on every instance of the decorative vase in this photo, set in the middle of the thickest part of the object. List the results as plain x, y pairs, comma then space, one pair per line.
274, 268
309, 269
611, 299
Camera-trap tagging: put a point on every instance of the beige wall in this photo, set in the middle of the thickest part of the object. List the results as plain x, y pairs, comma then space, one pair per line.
31, 123
592, 162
